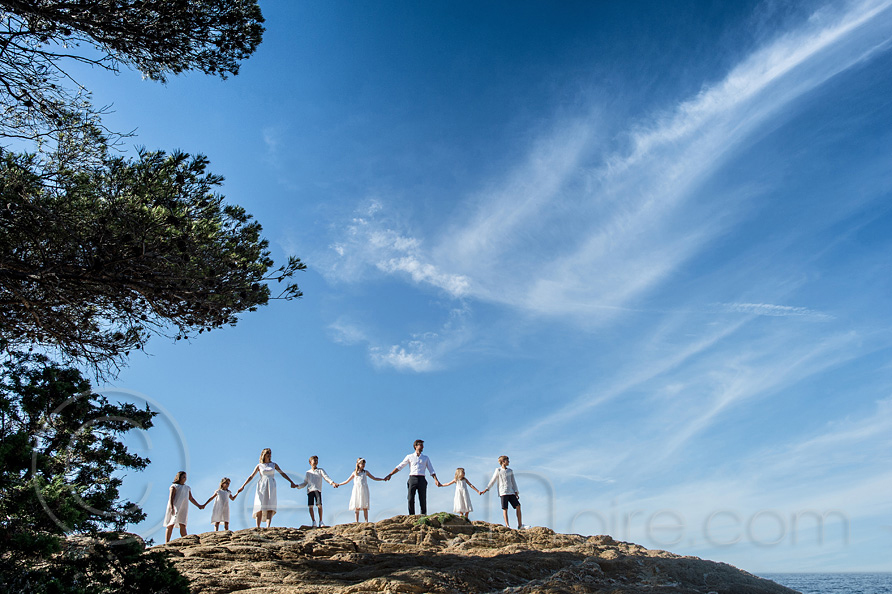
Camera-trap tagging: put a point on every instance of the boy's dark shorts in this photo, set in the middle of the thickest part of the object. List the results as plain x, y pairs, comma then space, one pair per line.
314, 496
512, 499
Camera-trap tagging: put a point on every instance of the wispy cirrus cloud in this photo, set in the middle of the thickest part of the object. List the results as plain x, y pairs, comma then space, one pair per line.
371, 242
420, 352
585, 233
768, 309
651, 411
347, 333
413, 355
810, 496
575, 232
756, 371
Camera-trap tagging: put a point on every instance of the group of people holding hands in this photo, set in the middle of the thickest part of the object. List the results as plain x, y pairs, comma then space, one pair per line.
265, 499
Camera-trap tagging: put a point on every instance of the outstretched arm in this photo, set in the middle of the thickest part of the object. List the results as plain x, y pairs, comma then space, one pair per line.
211, 498
472, 486
348, 480
192, 499
373, 477
452, 482
492, 481
285, 475
248, 480
327, 478
398, 468
232, 497
436, 480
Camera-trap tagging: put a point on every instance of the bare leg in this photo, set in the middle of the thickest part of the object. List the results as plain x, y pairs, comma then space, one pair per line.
216, 526
258, 516
519, 521
505, 515
225, 525
269, 519
182, 530
357, 515
320, 515
312, 515
365, 513
169, 532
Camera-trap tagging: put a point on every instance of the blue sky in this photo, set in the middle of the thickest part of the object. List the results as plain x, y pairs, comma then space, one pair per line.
643, 248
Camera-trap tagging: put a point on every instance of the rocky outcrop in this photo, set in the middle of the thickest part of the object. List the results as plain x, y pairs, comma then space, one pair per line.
444, 555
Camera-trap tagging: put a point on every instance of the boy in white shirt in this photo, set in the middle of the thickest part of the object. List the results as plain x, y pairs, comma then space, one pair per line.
313, 482
507, 490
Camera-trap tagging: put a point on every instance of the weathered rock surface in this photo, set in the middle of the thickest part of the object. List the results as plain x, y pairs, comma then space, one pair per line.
457, 556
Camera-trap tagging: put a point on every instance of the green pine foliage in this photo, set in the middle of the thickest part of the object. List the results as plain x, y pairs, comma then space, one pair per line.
39, 39
97, 256
108, 563
60, 449
98, 252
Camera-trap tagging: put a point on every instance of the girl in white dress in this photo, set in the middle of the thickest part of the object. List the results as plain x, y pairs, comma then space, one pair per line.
462, 503
177, 511
265, 498
359, 499
220, 511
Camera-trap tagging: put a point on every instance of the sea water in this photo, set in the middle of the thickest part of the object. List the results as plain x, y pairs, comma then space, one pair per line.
834, 583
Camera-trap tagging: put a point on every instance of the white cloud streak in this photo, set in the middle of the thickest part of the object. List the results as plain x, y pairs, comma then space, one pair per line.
631, 219
767, 309
370, 242
420, 353
830, 472
413, 356
637, 373
640, 216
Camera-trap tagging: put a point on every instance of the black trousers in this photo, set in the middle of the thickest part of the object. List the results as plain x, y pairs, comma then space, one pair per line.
417, 484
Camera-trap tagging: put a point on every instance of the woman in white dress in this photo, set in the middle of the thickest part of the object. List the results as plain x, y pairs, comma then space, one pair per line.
265, 498
177, 511
461, 505
359, 499
220, 511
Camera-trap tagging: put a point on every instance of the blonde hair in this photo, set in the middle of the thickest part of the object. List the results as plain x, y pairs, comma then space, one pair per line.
264, 453
503, 459
179, 476
224, 481
311, 458
359, 461
459, 474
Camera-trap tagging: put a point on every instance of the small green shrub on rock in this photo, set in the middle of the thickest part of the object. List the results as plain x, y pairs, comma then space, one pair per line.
437, 520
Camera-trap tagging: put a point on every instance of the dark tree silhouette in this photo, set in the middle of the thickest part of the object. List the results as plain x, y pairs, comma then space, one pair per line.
60, 447
93, 260
40, 38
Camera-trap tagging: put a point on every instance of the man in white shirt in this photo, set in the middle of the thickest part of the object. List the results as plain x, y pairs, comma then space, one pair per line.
418, 463
313, 482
